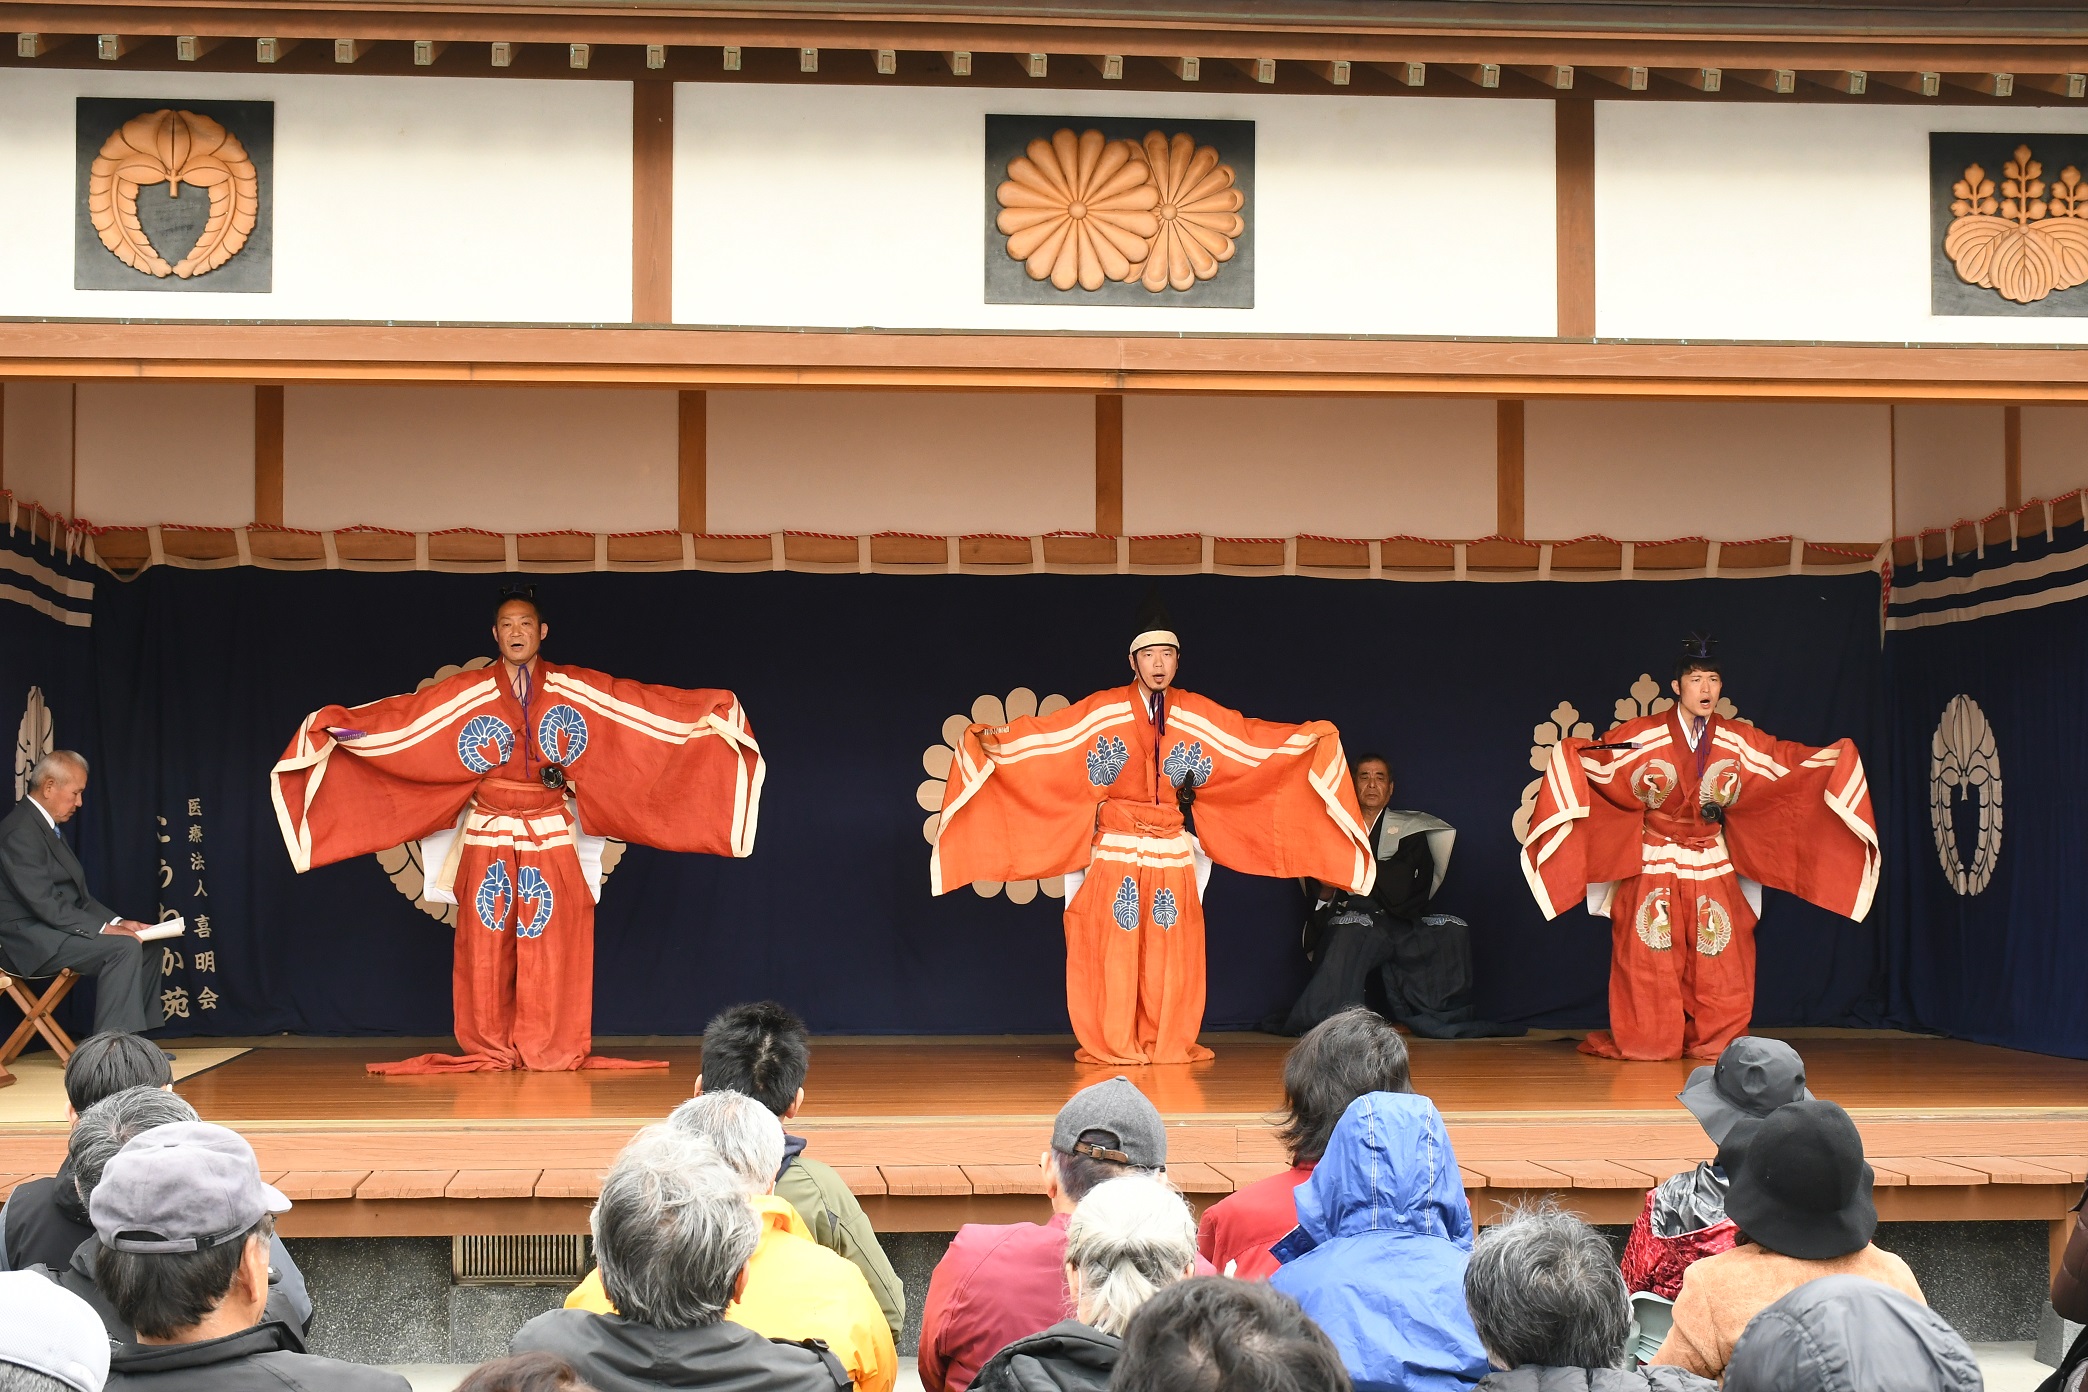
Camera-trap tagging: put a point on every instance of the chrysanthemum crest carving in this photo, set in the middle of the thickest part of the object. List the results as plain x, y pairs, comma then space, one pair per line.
173, 148
2027, 243
1079, 209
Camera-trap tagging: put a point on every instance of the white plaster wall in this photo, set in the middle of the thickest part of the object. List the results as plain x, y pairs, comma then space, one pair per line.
502, 458
38, 448
165, 452
1328, 466
395, 197
2055, 450
1755, 220
850, 206
1729, 471
861, 462
1951, 464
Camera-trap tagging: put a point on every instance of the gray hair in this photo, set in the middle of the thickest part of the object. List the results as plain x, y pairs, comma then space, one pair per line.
672, 1231
16, 1378
1543, 1287
109, 1125
1128, 1238
746, 1133
55, 765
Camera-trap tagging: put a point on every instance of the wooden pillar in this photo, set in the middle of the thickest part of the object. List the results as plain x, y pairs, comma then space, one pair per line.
1508, 468
1574, 187
268, 456
2012, 455
652, 202
3, 434
693, 453
1109, 464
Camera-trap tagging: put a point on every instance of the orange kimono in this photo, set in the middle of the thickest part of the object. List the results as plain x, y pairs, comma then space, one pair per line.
1626, 828
669, 768
1095, 786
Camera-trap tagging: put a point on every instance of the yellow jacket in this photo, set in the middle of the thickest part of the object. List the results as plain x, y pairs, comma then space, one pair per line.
797, 1289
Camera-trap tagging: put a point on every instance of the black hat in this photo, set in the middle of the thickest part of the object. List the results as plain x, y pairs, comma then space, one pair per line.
1153, 627
1752, 1078
1849, 1334
1798, 1183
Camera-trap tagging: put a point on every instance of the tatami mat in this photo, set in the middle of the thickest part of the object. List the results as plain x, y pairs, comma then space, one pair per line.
38, 1094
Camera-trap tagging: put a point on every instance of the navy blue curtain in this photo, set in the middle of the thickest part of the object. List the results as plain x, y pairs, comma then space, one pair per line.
204, 675
1987, 661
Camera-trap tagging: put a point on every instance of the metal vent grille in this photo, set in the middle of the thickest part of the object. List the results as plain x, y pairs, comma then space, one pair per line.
554, 1259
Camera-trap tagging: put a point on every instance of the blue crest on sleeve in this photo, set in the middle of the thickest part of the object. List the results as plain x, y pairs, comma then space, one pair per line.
1165, 910
485, 743
562, 734
1187, 763
496, 895
1125, 909
1106, 760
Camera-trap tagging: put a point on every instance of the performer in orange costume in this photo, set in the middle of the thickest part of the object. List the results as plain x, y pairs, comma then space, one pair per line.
1670, 825
528, 753
1144, 788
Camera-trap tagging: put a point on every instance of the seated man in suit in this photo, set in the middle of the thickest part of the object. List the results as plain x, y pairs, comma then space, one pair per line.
48, 920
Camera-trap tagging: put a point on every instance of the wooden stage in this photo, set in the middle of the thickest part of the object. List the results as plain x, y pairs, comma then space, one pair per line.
935, 1132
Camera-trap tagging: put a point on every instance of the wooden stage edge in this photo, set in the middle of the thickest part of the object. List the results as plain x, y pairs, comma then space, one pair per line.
931, 1133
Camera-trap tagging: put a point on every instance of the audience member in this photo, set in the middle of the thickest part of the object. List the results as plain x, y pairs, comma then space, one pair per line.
1336, 1062
1128, 1239
49, 1340
1378, 1259
673, 1232
1215, 1335
1800, 1190
1684, 1219
184, 1220
764, 1051
1001, 1282
524, 1372
1551, 1310
1851, 1334
795, 1288
45, 1220
2070, 1300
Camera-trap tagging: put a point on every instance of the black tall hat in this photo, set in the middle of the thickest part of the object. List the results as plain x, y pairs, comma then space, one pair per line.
1153, 626
1699, 647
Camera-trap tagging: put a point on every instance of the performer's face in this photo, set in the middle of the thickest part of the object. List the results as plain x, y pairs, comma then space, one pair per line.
1373, 786
1156, 665
518, 633
1697, 691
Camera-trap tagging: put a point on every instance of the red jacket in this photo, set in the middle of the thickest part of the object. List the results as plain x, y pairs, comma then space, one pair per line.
997, 1283
1244, 1225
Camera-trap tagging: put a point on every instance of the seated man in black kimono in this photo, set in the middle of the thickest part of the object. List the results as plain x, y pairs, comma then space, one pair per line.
1425, 958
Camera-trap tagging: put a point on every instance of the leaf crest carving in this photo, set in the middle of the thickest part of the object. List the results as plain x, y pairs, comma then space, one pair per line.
2027, 243
173, 148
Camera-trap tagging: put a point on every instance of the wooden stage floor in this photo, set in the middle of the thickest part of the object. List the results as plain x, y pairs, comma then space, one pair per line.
934, 1131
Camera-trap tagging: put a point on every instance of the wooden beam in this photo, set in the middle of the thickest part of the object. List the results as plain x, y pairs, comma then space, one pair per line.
652, 202
2012, 455
268, 456
1109, 463
692, 451
1508, 467
1574, 188
3, 434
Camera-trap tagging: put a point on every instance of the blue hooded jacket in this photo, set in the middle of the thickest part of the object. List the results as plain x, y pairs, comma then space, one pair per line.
1378, 1257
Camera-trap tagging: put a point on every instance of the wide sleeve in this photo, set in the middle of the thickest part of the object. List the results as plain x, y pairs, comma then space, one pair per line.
1020, 800
359, 779
674, 769
1271, 799
1797, 818
1585, 826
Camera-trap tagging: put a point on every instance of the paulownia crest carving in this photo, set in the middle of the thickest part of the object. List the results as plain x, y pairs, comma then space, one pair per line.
2027, 243
1083, 210
173, 148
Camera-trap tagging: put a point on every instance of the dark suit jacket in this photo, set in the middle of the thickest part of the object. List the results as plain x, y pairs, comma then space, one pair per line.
43, 892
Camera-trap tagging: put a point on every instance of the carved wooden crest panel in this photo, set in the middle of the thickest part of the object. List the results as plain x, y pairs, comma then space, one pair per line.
174, 195
2009, 218
1086, 210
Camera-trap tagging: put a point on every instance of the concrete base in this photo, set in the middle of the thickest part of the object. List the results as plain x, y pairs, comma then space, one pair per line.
2054, 1337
